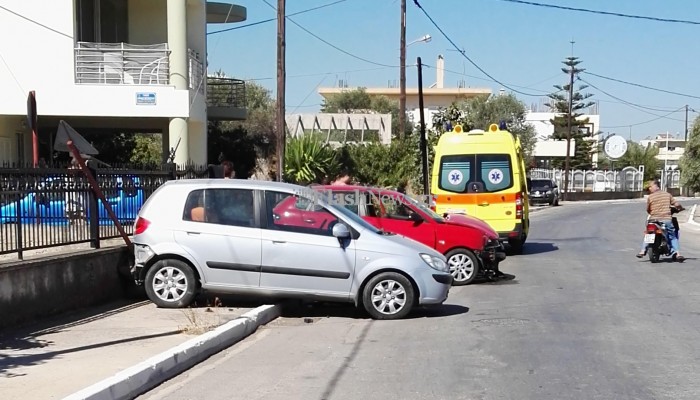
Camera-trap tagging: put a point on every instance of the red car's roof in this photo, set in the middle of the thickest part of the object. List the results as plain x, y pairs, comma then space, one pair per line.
355, 187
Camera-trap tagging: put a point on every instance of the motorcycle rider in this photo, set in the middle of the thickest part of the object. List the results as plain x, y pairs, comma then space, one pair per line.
659, 203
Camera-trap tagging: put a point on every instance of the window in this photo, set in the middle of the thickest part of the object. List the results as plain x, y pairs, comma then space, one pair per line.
374, 206
283, 214
435, 216
397, 210
475, 173
233, 207
349, 200
541, 184
496, 174
101, 21
455, 172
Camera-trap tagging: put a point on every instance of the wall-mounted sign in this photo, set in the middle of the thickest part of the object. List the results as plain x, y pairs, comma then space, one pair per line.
148, 99
615, 146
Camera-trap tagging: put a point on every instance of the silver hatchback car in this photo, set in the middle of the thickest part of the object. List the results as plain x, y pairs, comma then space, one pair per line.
277, 240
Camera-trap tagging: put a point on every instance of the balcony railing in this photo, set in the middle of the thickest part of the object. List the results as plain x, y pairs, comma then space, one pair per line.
197, 76
121, 64
225, 92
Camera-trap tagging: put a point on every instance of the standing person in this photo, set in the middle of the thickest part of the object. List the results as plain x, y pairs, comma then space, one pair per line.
659, 203
74, 196
229, 173
343, 179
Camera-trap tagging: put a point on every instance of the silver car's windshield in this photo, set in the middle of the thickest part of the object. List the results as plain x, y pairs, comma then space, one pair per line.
354, 217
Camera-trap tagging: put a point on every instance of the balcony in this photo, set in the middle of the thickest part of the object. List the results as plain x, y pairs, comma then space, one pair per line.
226, 99
197, 76
121, 64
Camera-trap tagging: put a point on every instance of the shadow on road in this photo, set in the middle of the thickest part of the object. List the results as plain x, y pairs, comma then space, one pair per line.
668, 261
539, 248
298, 309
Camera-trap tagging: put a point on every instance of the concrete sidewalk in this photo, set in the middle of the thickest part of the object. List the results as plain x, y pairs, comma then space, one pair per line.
67, 354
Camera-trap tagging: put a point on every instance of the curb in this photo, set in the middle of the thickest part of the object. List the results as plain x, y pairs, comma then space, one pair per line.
142, 377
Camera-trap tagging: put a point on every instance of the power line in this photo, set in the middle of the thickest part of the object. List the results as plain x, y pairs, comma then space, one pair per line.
465, 55
544, 92
328, 43
309, 94
275, 19
615, 14
36, 22
645, 122
19, 85
636, 106
323, 73
642, 86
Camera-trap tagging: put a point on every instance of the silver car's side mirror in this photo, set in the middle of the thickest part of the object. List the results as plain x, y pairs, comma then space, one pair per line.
341, 231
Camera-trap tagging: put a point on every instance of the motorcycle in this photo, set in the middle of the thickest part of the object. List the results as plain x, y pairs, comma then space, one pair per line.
656, 238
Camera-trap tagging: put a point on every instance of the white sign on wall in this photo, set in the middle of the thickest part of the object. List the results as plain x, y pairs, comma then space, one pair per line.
615, 146
148, 98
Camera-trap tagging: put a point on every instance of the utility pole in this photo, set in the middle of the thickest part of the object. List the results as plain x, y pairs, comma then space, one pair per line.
686, 123
281, 125
402, 78
423, 138
568, 133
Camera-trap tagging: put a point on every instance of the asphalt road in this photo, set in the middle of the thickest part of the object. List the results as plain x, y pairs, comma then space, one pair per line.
584, 319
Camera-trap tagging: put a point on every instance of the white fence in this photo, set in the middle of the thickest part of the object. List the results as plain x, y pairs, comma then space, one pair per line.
628, 179
669, 179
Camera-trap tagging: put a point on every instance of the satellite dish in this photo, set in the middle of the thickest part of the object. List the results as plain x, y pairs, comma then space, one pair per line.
66, 133
615, 146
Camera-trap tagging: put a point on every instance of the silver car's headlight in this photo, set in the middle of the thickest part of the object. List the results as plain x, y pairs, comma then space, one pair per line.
435, 262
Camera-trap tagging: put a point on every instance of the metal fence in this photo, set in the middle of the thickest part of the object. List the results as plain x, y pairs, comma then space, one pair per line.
49, 207
628, 179
669, 179
226, 92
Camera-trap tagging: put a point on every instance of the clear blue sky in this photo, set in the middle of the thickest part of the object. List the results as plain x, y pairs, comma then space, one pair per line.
517, 44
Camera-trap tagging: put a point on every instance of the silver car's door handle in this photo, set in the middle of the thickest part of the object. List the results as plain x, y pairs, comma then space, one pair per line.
193, 233
278, 242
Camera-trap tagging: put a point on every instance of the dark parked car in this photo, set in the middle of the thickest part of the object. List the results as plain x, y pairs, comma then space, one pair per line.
544, 191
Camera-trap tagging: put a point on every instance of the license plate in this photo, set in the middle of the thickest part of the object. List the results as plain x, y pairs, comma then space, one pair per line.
649, 238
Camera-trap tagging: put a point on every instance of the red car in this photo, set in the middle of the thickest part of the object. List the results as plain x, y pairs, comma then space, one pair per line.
471, 246
299, 213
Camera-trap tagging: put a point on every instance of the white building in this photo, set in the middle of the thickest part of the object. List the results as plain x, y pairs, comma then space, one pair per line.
546, 146
671, 148
110, 66
435, 95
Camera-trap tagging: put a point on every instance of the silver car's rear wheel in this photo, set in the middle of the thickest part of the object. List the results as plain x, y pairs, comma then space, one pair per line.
388, 295
464, 266
170, 284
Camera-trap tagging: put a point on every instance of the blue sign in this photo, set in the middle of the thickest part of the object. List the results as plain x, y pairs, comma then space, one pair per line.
146, 99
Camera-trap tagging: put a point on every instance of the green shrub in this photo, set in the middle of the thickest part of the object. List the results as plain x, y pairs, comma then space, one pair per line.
309, 160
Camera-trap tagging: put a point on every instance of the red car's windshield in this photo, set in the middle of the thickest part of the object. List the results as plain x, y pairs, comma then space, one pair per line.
425, 209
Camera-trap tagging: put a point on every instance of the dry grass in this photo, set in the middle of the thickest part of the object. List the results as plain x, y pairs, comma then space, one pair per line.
202, 320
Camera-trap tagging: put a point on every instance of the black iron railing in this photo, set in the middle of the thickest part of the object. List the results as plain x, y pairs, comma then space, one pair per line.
49, 207
226, 92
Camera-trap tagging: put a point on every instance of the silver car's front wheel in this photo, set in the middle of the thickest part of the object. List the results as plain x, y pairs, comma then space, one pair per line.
388, 295
464, 266
170, 284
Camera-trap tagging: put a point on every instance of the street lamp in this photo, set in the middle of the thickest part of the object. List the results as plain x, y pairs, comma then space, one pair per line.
425, 38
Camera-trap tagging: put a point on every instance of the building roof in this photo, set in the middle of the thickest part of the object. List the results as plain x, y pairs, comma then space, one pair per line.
395, 92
